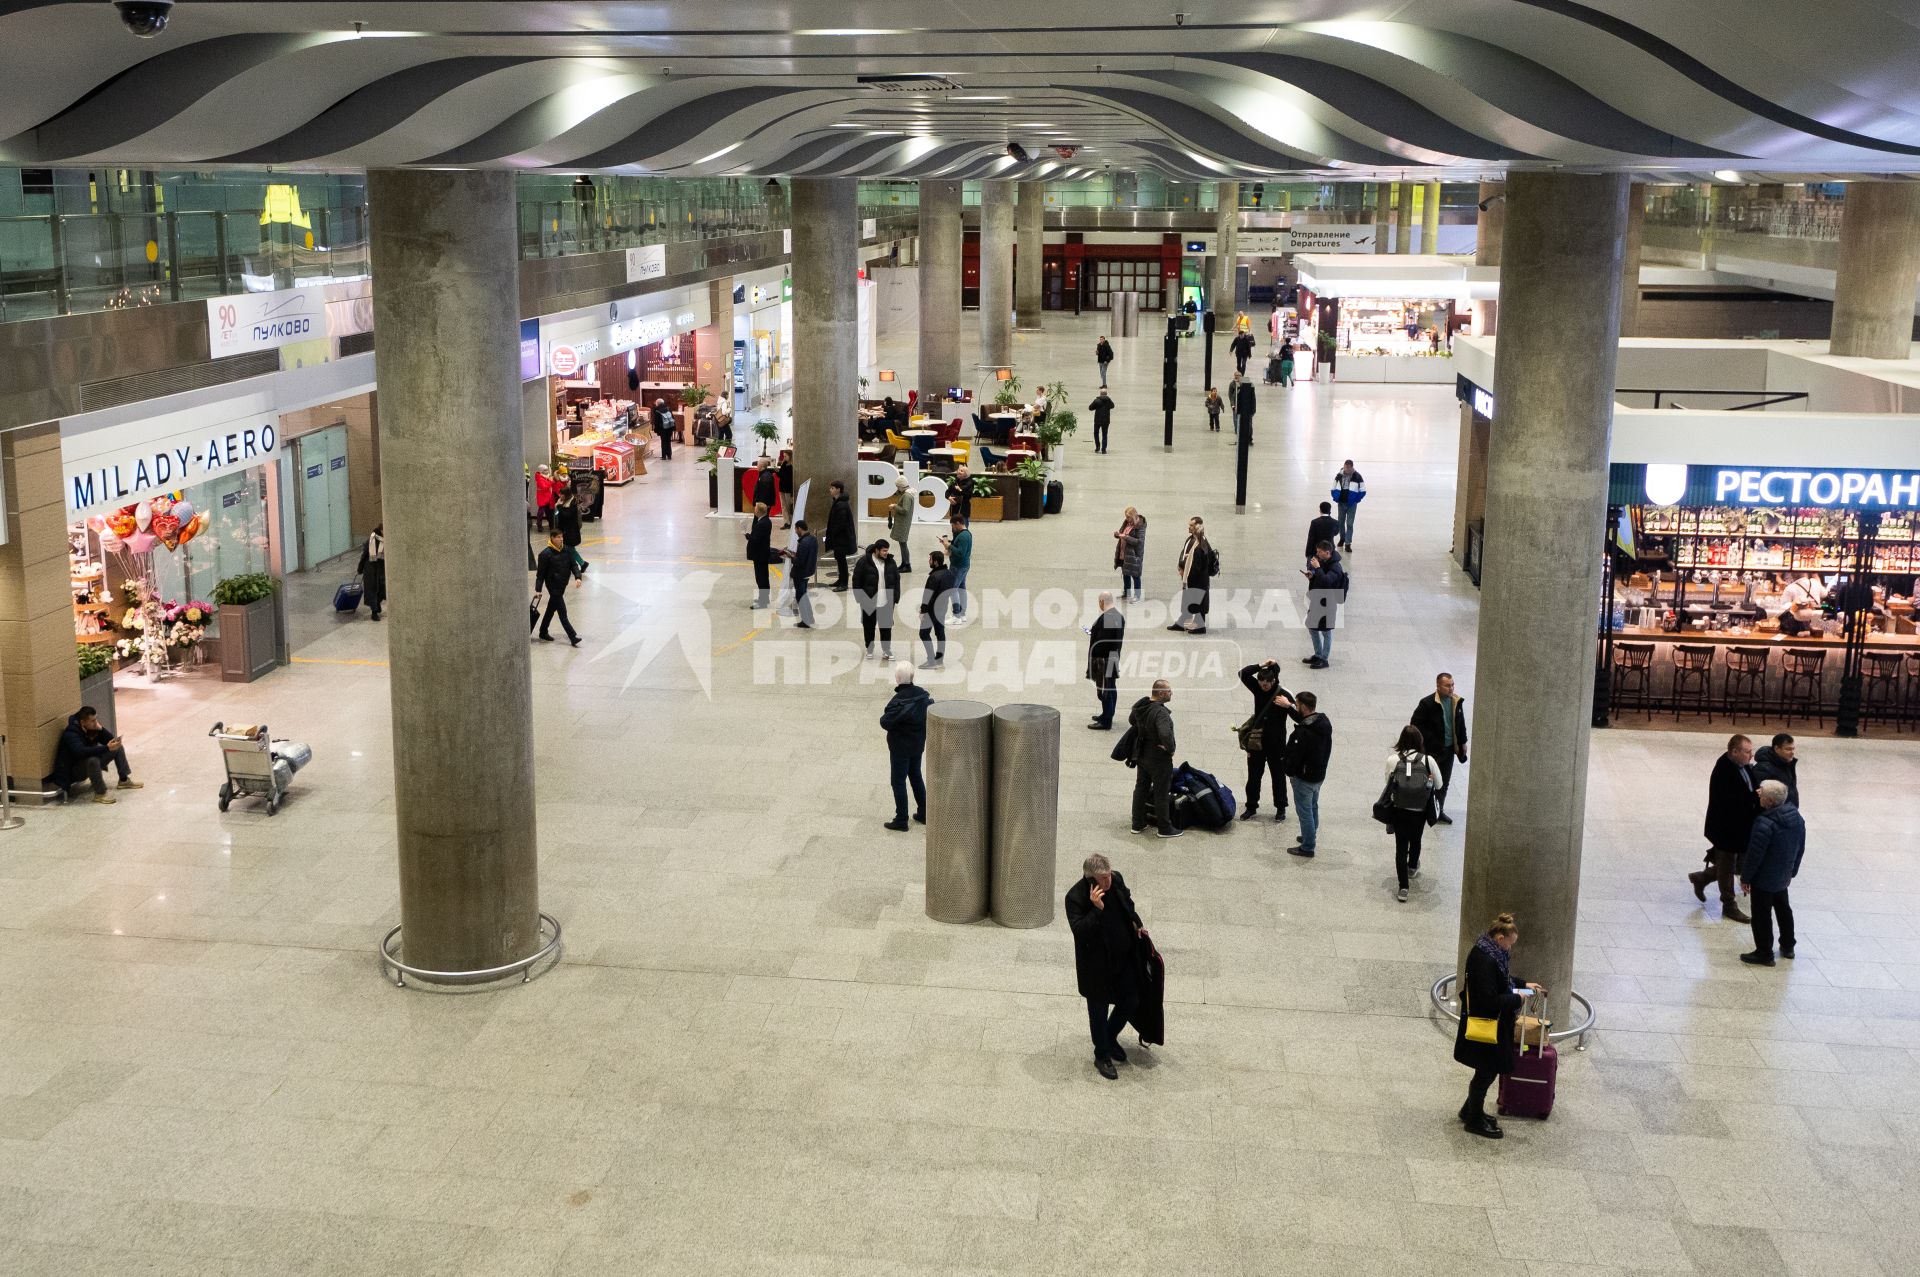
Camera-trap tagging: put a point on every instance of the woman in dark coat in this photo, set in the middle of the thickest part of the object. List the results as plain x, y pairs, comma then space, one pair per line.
1493, 992
373, 569
1106, 956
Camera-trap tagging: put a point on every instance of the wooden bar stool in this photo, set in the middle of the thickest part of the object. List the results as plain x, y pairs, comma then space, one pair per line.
1744, 687
1633, 677
1692, 679
1880, 686
1800, 683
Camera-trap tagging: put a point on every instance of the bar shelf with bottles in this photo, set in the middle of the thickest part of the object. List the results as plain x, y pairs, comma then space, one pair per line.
1721, 577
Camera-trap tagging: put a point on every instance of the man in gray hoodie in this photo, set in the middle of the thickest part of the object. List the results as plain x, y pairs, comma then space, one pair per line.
1152, 724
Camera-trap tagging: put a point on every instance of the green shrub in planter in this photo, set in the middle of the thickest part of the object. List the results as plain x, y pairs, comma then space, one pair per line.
238, 591
94, 658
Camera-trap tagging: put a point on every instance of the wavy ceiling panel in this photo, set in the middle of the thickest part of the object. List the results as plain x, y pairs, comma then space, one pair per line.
1329, 87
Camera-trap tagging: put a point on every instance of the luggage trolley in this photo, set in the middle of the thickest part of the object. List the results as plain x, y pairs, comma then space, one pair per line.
257, 764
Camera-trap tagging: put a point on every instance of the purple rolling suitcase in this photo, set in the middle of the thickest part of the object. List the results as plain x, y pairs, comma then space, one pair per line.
1528, 1090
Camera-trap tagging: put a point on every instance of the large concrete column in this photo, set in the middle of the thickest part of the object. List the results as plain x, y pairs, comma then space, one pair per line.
996, 274
1430, 218
451, 469
1873, 291
1540, 591
1403, 217
37, 666
1226, 253
1486, 250
826, 337
1630, 260
1029, 261
941, 247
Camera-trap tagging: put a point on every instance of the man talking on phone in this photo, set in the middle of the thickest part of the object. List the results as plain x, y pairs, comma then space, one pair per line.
85, 749
1106, 959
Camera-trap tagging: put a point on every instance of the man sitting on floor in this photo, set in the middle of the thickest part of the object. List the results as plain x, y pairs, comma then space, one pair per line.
85, 749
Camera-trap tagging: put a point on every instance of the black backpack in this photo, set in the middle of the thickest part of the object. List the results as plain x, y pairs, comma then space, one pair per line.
1410, 784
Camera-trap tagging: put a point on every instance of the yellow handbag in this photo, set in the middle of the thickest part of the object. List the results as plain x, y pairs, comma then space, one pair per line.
1479, 1027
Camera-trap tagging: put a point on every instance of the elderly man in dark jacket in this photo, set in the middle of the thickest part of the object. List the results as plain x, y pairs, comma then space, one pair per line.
1774, 851
1151, 723
1106, 956
761, 554
905, 721
1731, 807
1105, 638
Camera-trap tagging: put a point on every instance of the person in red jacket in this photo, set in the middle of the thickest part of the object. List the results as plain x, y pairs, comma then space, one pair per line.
544, 489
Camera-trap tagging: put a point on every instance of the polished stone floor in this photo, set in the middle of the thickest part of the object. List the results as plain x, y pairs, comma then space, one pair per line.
760, 1056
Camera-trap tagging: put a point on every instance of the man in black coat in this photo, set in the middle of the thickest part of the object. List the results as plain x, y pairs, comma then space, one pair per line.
760, 553
552, 573
876, 588
840, 542
936, 595
1731, 806
1323, 528
806, 561
1777, 762
1102, 410
766, 484
1269, 721
1106, 956
1242, 348
1442, 720
1104, 640
1151, 723
1309, 750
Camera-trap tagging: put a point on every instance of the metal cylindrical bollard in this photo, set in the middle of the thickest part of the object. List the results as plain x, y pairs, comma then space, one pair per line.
1026, 813
959, 785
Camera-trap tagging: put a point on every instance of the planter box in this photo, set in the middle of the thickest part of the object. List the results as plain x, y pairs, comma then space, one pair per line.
986, 510
1032, 498
98, 692
1009, 485
251, 639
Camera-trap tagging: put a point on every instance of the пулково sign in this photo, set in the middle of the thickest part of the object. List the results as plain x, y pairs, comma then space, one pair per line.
264, 321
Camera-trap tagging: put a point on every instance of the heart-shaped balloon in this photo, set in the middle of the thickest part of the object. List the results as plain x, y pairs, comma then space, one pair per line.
161, 504
121, 522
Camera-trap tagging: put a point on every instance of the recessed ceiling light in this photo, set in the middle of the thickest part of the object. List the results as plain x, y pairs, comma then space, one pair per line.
850, 31
1726, 175
979, 97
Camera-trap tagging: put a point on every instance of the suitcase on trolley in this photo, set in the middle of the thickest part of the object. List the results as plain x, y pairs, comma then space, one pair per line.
1528, 1090
347, 597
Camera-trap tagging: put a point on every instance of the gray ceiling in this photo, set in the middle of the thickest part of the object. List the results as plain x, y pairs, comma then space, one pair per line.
1247, 88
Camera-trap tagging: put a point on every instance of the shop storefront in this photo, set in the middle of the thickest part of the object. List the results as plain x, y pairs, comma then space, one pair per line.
607, 365
1388, 318
1760, 591
762, 338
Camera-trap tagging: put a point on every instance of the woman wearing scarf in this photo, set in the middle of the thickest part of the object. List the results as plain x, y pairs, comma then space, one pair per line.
1493, 993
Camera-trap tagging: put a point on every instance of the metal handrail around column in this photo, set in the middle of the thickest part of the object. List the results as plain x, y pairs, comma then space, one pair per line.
524, 966
7, 819
1579, 1029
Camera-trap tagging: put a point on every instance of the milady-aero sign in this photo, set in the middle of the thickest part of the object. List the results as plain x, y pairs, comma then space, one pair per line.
159, 457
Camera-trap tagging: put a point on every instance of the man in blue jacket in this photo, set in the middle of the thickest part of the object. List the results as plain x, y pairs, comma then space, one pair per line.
905, 721
1774, 849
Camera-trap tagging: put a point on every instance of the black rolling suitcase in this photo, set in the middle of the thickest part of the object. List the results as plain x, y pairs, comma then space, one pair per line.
1056, 496
1273, 371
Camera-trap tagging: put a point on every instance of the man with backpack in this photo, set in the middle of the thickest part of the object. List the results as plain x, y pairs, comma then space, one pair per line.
1442, 720
1264, 736
1308, 750
1151, 724
1326, 590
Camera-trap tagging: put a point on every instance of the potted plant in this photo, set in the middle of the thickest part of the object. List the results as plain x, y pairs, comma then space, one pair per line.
692, 395
250, 626
767, 433
1009, 393
1033, 487
96, 679
986, 504
1324, 342
710, 458
1059, 423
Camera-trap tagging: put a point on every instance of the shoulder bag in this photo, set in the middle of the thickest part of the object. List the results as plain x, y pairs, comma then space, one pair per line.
1480, 1028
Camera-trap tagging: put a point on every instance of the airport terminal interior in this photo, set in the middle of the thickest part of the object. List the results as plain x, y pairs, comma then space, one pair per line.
366, 925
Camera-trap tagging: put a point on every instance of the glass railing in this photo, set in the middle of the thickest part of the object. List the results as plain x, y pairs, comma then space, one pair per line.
1809, 219
257, 235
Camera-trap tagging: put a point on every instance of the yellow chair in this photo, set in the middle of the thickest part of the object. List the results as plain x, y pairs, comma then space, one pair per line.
963, 452
898, 441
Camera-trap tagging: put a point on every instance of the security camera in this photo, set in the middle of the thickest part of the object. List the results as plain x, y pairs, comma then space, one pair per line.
1017, 152
1490, 201
1179, 19
145, 18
